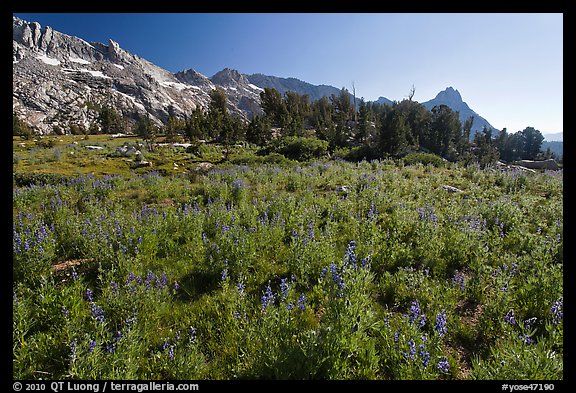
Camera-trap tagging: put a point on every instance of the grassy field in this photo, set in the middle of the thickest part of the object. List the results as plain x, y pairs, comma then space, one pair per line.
264, 268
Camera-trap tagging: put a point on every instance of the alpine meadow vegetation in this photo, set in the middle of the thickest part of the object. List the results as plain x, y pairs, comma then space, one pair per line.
261, 267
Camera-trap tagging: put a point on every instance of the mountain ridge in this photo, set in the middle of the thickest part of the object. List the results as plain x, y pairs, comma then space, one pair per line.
56, 76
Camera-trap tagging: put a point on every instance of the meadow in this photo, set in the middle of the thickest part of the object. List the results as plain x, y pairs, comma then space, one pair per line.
267, 268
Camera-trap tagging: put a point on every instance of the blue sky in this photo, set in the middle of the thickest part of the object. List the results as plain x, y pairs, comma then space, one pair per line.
508, 67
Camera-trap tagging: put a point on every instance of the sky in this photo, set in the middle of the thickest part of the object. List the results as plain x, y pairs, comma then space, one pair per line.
508, 67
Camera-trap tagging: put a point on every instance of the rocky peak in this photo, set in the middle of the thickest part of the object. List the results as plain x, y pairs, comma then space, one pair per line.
229, 78
449, 96
194, 78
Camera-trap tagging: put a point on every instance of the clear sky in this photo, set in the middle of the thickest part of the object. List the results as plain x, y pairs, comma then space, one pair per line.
508, 67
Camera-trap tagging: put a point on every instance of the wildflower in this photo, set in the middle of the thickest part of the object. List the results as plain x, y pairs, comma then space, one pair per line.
443, 364
97, 313
526, 339
65, 311
149, 278
350, 255
509, 317
162, 281
114, 287
459, 280
440, 324
89, 295
92, 345
74, 275
415, 311
425, 355
192, 333
284, 287
73, 349
557, 311
241, 287
302, 302
165, 345
267, 297
412, 349
176, 285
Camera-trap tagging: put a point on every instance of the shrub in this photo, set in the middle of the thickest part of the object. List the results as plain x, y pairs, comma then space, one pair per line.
299, 148
423, 158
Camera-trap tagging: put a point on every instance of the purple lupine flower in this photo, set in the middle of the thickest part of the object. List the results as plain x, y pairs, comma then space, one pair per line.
176, 285
114, 287
526, 339
284, 288
509, 317
396, 335
65, 311
412, 349
422, 320
302, 302
425, 355
459, 280
73, 344
224, 271
267, 297
149, 278
165, 345
443, 364
97, 313
89, 296
162, 281
350, 255
440, 324
192, 333
241, 287
415, 311
74, 275
557, 311
92, 345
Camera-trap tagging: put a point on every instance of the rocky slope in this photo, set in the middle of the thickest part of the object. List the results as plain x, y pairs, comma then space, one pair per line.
56, 77
452, 98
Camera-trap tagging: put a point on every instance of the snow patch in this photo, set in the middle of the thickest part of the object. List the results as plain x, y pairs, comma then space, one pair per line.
255, 87
118, 66
98, 74
86, 43
48, 60
139, 105
176, 85
78, 60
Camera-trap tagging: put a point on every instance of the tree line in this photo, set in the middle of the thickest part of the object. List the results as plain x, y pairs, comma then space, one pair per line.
370, 129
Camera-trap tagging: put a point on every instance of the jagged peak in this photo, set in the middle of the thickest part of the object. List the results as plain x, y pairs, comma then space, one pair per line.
228, 76
449, 94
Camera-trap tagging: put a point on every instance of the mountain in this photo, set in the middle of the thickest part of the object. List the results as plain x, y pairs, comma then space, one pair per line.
555, 137
57, 78
292, 84
384, 101
453, 99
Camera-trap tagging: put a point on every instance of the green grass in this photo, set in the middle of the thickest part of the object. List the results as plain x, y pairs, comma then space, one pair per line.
267, 271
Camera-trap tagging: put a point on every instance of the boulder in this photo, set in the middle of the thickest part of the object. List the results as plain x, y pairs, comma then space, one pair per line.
451, 189
543, 164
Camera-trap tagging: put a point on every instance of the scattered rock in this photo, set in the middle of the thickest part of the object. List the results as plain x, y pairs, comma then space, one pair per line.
451, 189
343, 189
141, 164
543, 164
94, 147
